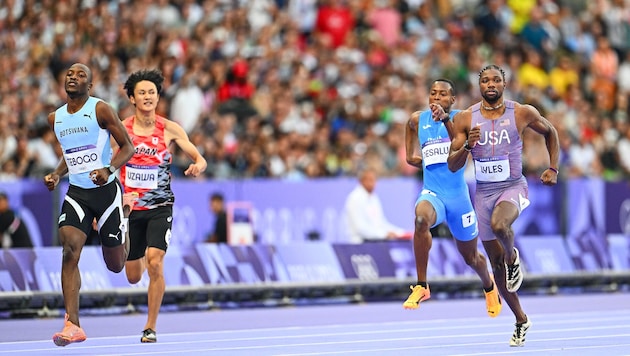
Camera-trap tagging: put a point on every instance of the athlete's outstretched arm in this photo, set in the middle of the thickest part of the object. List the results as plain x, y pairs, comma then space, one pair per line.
179, 136
458, 154
412, 145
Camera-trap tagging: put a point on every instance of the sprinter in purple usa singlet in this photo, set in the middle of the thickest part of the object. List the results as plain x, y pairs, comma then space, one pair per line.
492, 131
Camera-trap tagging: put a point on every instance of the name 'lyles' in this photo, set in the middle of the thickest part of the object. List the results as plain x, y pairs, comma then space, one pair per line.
491, 169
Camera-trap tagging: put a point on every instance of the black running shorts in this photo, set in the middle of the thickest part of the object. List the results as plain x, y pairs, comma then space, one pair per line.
81, 206
149, 228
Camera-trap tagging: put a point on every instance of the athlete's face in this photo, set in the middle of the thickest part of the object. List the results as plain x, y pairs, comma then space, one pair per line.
78, 80
491, 85
442, 93
145, 96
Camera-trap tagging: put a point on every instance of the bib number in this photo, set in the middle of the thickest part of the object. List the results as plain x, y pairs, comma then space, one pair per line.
493, 169
436, 151
143, 177
82, 159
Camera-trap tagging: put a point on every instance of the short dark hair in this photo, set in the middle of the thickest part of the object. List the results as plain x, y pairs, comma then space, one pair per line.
449, 82
492, 66
152, 75
216, 196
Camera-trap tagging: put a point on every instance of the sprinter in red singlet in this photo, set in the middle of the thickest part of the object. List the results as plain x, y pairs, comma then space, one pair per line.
147, 175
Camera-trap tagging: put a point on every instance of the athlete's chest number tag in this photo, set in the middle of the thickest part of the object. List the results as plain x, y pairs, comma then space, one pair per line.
436, 151
492, 169
144, 177
82, 159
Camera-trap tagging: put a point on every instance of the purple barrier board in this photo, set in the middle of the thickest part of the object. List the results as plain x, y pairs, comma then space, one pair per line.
618, 208
545, 254
32, 201
395, 259
175, 274
18, 271
586, 224
287, 211
619, 251
296, 262
544, 214
39, 269
369, 261
224, 264
310, 262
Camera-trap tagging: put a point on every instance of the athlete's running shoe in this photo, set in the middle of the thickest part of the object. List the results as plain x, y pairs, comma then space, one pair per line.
514, 274
493, 301
518, 338
418, 294
129, 199
69, 334
148, 335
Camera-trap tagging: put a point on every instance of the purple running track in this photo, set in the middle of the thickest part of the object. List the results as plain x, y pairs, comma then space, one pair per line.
582, 324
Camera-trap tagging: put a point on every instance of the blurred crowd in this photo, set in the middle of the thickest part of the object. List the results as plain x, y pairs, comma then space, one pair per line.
298, 89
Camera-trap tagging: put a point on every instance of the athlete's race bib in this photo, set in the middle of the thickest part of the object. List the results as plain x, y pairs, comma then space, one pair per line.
82, 159
435, 151
492, 169
143, 177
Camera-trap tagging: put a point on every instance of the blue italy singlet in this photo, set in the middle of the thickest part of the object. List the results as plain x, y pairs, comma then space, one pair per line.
84, 143
435, 145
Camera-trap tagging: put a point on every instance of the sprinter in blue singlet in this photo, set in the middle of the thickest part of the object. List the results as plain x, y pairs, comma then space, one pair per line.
444, 195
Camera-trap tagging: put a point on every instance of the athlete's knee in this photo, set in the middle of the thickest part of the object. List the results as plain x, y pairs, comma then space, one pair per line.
421, 223
134, 270
133, 278
472, 258
155, 267
71, 249
71, 254
115, 257
115, 266
500, 227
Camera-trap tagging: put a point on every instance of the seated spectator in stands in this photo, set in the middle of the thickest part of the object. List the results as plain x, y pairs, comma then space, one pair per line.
236, 86
235, 93
11, 225
44, 149
217, 206
334, 22
364, 214
234, 60
583, 158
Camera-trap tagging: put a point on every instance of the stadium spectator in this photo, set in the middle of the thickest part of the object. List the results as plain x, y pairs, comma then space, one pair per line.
333, 23
217, 207
364, 214
12, 226
297, 51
